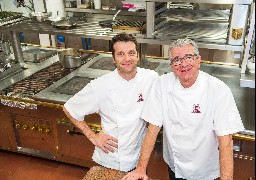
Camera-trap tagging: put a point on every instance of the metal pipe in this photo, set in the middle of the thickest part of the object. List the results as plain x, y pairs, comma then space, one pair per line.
150, 19
143, 53
45, 7
17, 50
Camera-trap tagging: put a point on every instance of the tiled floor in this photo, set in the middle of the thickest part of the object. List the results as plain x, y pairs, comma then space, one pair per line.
14, 166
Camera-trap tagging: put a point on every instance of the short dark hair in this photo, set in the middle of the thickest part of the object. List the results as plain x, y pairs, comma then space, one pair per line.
123, 37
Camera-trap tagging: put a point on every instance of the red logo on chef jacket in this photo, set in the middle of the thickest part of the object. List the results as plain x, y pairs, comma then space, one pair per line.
140, 98
196, 108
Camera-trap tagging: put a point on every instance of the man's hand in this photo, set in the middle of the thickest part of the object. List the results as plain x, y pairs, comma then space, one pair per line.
105, 142
138, 173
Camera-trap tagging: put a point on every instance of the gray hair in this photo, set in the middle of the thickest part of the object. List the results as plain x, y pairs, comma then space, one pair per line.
181, 43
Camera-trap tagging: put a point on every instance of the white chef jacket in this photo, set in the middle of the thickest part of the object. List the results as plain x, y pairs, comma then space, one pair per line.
192, 118
119, 103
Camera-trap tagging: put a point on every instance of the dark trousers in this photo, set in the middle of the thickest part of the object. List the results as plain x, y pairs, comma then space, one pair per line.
172, 175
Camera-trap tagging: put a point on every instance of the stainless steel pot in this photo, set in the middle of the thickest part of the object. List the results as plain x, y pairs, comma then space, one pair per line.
70, 58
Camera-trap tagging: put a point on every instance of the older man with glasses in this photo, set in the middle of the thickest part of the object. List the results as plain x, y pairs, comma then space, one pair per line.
198, 114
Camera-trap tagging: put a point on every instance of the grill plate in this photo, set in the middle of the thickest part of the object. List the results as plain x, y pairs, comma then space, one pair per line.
73, 85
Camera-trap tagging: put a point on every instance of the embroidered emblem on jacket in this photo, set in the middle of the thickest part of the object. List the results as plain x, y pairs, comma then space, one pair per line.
196, 108
140, 98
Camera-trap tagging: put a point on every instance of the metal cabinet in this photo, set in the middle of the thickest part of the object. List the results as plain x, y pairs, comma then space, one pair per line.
73, 146
244, 158
7, 137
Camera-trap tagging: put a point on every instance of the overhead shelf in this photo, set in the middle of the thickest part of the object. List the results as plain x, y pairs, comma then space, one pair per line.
124, 12
206, 1
95, 31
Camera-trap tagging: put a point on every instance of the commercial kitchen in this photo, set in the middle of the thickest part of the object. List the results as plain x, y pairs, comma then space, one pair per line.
36, 79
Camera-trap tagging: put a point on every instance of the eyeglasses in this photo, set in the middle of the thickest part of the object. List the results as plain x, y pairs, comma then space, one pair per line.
188, 58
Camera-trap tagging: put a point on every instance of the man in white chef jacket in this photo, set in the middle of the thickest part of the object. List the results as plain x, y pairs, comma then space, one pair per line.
198, 114
119, 98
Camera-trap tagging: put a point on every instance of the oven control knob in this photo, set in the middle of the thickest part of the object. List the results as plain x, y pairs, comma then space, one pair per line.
93, 129
18, 126
40, 130
33, 128
25, 127
98, 130
48, 131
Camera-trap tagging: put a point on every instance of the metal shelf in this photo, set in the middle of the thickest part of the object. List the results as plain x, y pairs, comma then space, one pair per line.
123, 12
95, 31
207, 1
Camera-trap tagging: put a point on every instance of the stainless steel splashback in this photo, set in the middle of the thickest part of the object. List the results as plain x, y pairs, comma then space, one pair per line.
210, 26
203, 26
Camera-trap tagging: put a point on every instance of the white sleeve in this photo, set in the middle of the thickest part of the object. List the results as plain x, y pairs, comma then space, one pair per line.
227, 119
83, 103
152, 111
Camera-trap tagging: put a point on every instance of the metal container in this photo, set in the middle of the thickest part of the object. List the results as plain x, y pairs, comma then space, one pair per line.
37, 54
70, 58
39, 16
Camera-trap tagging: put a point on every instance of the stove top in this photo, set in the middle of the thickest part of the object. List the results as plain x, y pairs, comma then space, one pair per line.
106, 63
38, 81
73, 85
150, 65
43, 78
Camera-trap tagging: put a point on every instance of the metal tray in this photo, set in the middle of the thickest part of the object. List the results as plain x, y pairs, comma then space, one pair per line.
37, 54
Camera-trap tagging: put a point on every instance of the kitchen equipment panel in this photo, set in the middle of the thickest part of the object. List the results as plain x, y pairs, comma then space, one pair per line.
34, 135
72, 144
